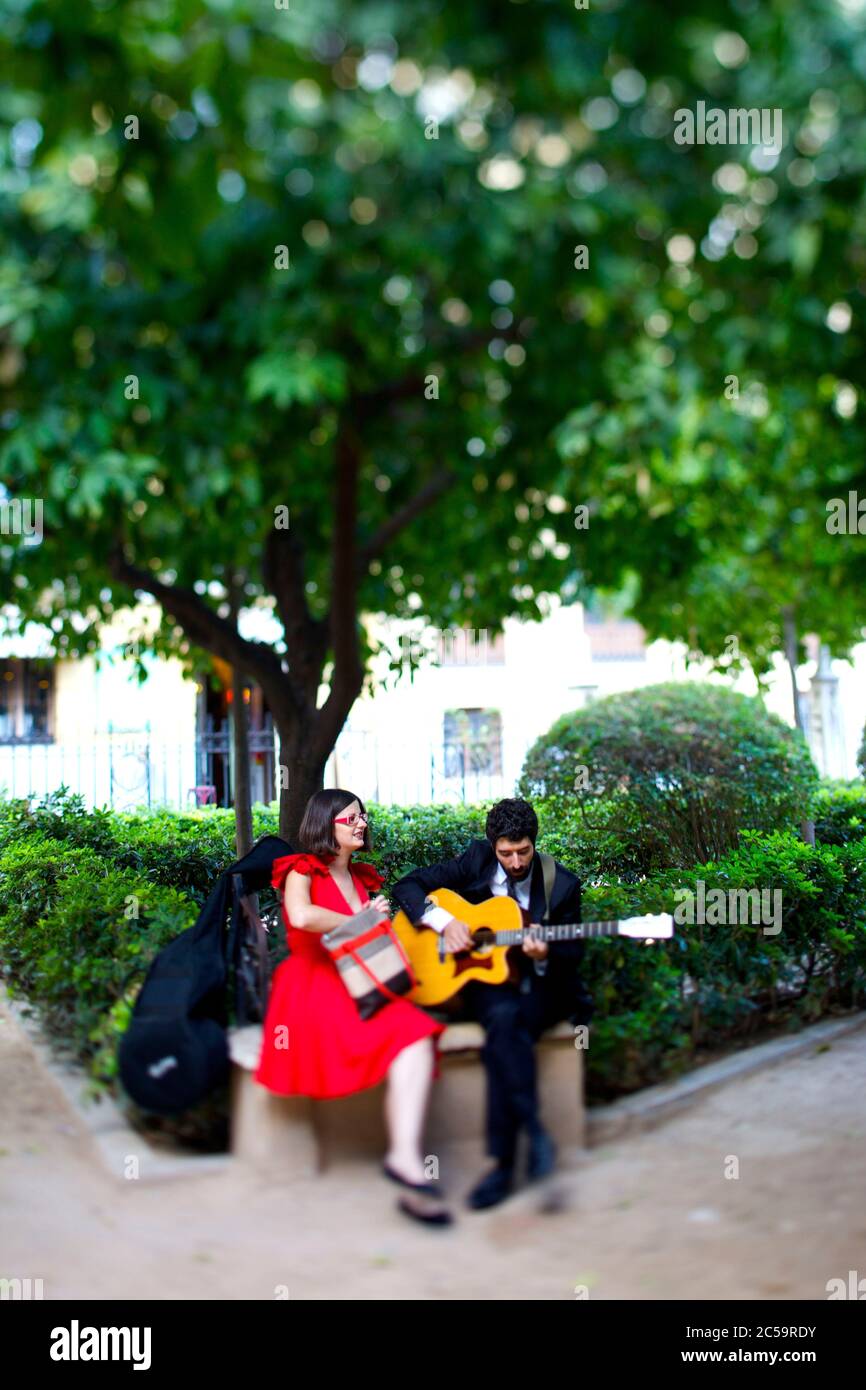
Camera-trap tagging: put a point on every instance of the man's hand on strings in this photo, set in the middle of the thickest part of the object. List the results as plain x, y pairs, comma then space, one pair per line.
456, 935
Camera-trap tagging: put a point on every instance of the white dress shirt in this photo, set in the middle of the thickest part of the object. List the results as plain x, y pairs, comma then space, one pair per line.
438, 917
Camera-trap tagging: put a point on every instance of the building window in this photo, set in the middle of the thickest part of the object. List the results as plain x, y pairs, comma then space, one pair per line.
617, 640
26, 701
472, 742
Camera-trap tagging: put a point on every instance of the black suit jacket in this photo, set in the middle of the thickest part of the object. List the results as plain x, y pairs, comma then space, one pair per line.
469, 874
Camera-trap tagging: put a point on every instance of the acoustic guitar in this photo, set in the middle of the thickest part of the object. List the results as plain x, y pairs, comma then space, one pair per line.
496, 925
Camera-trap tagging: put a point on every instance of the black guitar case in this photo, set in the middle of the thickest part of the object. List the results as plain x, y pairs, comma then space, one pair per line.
175, 1050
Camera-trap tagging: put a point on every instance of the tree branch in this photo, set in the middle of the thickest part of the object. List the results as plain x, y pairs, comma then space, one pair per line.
348, 673
201, 625
365, 402
423, 499
413, 383
306, 637
344, 558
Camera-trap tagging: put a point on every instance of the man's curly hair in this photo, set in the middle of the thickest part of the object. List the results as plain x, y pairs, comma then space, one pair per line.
511, 819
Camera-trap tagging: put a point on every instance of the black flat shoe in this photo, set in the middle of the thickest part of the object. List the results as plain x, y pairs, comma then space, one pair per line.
493, 1188
542, 1157
424, 1202
429, 1210
427, 1187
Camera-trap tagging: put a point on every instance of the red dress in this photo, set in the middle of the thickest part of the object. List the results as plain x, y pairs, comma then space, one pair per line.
324, 1047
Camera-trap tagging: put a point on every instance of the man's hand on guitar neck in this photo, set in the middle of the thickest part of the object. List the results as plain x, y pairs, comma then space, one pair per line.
535, 949
457, 937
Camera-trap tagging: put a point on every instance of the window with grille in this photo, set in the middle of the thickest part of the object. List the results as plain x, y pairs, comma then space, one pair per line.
26, 701
472, 741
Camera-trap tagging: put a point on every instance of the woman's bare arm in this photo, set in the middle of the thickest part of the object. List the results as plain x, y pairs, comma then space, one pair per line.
302, 912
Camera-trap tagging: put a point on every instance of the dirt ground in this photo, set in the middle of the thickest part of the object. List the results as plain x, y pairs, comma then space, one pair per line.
648, 1217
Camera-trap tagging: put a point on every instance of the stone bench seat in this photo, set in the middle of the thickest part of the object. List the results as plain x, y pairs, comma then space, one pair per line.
300, 1136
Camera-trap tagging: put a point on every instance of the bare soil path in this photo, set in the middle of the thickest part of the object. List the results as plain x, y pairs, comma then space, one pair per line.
652, 1216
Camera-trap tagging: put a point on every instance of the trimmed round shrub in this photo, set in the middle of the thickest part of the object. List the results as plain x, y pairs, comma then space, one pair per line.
676, 770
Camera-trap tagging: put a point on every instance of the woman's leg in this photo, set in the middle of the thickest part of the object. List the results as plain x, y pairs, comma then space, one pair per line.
409, 1078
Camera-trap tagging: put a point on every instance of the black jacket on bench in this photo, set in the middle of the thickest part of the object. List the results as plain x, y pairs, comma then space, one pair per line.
469, 874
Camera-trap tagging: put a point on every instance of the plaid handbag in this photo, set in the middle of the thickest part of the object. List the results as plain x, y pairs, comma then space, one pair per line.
370, 959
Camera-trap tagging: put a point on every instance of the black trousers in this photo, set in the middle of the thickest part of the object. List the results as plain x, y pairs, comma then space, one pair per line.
513, 1019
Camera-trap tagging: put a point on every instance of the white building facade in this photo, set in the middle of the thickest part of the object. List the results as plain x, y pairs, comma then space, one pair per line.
457, 727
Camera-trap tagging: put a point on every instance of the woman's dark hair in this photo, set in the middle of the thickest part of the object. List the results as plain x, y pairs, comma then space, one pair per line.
511, 819
316, 832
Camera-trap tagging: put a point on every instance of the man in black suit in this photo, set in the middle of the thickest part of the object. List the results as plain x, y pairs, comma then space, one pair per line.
544, 987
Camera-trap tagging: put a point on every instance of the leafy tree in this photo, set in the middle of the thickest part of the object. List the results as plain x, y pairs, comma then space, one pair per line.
296, 305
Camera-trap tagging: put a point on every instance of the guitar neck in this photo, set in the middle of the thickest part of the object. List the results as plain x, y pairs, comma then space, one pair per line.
561, 931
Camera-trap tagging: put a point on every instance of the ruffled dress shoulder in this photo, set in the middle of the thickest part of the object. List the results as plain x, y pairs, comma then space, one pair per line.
314, 867
301, 863
370, 877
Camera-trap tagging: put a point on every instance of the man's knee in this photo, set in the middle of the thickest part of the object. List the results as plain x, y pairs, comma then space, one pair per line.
504, 1017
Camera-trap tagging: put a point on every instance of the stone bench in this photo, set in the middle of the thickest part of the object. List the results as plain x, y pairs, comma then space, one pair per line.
300, 1136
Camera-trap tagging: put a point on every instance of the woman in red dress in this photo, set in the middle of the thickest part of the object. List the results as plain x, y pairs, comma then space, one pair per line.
315, 1042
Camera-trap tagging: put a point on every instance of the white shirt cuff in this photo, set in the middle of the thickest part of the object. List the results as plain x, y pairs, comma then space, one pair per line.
436, 917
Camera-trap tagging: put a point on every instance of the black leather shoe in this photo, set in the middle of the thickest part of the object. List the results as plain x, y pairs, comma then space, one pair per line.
493, 1188
542, 1156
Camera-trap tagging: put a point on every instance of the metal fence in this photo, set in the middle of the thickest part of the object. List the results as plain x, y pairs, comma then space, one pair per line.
127, 771
131, 770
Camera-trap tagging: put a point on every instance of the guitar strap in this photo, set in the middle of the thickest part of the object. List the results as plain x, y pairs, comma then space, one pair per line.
548, 874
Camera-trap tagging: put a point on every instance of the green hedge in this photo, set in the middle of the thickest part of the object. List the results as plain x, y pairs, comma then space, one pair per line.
662, 1007
183, 850
839, 812
88, 899
77, 934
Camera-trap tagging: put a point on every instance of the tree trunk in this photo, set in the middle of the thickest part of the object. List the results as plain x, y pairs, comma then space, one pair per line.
241, 788
241, 767
300, 774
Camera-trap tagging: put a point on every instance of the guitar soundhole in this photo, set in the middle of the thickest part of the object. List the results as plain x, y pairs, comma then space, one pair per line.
483, 940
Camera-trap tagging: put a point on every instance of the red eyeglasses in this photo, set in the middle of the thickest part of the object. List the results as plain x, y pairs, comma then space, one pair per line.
352, 820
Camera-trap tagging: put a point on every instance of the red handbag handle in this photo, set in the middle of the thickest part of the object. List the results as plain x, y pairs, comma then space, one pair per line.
406, 961
380, 985
382, 988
